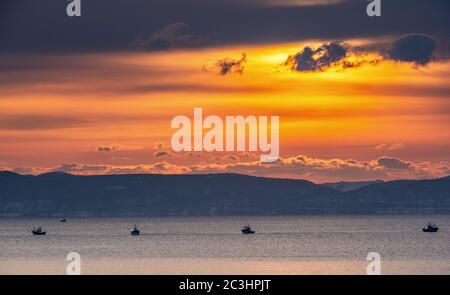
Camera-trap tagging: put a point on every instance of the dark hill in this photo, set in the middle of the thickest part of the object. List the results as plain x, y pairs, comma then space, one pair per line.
60, 194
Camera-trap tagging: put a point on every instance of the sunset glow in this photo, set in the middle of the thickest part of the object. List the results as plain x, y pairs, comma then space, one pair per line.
64, 109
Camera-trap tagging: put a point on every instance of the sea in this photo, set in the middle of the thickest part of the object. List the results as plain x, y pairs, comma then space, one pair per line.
289, 245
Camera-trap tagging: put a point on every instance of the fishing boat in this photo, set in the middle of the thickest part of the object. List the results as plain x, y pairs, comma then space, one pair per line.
62, 220
135, 231
431, 228
247, 230
38, 231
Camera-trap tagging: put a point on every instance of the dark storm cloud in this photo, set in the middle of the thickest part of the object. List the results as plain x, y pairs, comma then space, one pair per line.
413, 48
253, 3
232, 66
310, 60
175, 35
227, 66
32, 26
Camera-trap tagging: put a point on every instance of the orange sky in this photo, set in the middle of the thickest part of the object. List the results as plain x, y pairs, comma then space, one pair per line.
60, 109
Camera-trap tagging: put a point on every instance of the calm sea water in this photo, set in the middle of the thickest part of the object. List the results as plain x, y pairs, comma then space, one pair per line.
282, 245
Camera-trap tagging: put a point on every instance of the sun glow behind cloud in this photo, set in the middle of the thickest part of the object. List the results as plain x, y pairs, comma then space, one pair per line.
61, 108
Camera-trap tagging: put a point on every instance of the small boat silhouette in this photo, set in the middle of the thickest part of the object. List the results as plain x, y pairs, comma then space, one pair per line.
38, 231
135, 231
431, 228
247, 230
62, 220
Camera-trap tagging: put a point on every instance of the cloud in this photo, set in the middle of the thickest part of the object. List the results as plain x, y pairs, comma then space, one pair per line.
380, 146
159, 154
100, 169
80, 168
24, 170
415, 48
107, 148
330, 170
397, 146
232, 21
193, 87
298, 167
175, 35
115, 147
393, 163
161, 150
57, 121
310, 60
392, 147
227, 66
226, 158
41, 122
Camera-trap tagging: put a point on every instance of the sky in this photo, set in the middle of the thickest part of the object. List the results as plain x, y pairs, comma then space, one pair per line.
358, 98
